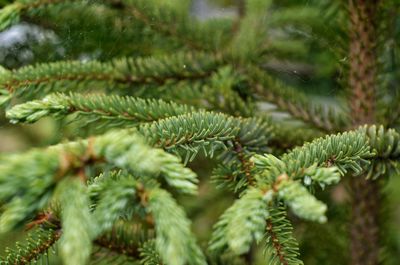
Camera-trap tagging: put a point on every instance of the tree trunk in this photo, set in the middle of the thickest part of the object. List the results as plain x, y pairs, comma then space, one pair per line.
362, 83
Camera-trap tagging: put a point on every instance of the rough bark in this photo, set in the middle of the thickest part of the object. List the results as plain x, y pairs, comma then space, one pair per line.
364, 228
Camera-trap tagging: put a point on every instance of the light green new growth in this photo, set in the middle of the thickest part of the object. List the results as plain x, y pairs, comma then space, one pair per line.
243, 223
174, 241
76, 221
113, 195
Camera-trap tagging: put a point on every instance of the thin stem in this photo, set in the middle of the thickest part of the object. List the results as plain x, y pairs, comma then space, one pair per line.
276, 244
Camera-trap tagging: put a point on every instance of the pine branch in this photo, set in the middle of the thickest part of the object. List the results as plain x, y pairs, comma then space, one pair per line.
300, 201
114, 111
168, 22
280, 244
11, 14
222, 93
191, 132
233, 139
287, 136
385, 143
126, 238
239, 225
348, 150
246, 165
230, 177
206, 131
161, 18
198, 131
33, 81
236, 171
34, 248
149, 255
273, 179
247, 43
242, 223
76, 220
386, 146
297, 104
174, 240
28, 179
112, 196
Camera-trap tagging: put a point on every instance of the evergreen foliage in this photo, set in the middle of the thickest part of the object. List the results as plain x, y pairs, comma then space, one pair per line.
144, 121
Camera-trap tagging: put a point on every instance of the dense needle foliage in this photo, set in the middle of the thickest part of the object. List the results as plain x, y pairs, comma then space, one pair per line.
162, 115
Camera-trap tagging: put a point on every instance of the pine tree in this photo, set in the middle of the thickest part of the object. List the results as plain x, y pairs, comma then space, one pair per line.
148, 98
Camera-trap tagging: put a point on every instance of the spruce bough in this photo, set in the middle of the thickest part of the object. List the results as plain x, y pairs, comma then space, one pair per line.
181, 95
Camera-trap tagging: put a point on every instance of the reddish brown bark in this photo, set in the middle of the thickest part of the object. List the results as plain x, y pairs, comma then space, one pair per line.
362, 83
363, 63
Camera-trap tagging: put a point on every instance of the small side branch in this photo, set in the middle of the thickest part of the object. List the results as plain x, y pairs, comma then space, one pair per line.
276, 244
245, 162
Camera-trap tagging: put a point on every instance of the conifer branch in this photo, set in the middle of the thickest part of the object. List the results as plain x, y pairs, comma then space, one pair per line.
34, 248
287, 136
300, 201
222, 95
124, 215
11, 14
348, 150
149, 255
116, 247
174, 241
280, 244
206, 131
273, 184
242, 223
112, 110
272, 177
245, 162
168, 22
112, 194
386, 145
32, 81
77, 222
297, 104
211, 133
230, 177
276, 245
47, 167
198, 131
141, 12
126, 238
